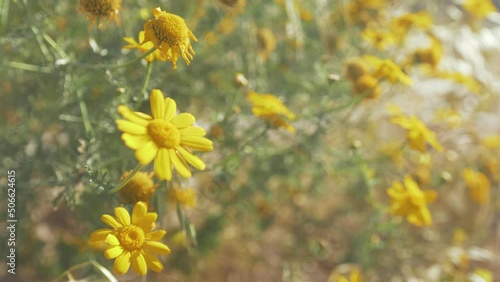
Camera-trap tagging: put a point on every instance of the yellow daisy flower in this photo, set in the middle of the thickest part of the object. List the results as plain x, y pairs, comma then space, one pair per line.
408, 200
479, 8
157, 55
165, 137
101, 9
267, 42
170, 35
387, 69
418, 134
272, 109
421, 20
478, 184
378, 38
368, 85
183, 196
139, 189
131, 240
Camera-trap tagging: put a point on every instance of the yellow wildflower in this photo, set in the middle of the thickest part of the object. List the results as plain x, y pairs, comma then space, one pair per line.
479, 8
378, 38
271, 108
157, 55
101, 9
170, 35
408, 200
387, 69
367, 84
478, 184
492, 142
432, 55
354, 276
183, 196
131, 240
402, 24
418, 134
164, 137
139, 189
267, 42
355, 68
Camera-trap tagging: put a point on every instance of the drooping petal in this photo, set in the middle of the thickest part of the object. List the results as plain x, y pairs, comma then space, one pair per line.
179, 164
155, 235
134, 142
191, 159
183, 120
111, 221
163, 167
170, 108
139, 263
113, 252
152, 262
146, 153
156, 102
197, 143
192, 131
131, 127
131, 116
122, 263
140, 210
123, 216
156, 247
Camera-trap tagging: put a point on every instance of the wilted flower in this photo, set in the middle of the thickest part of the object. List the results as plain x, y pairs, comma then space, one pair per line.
157, 55
101, 9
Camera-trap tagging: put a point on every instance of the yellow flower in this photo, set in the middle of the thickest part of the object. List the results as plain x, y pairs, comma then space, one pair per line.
483, 275
354, 276
271, 108
418, 134
183, 196
421, 20
356, 67
378, 38
170, 35
478, 184
408, 200
139, 189
387, 69
479, 8
100, 9
367, 84
267, 42
432, 55
467, 81
164, 137
157, 55
491, 142
131, 240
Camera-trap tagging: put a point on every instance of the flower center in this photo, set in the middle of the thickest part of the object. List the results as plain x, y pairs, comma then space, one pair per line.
131, 237
164, 133
170, 28
98, 7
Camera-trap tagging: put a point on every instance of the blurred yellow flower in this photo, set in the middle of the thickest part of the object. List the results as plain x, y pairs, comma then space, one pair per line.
170, 35
101, 9
368, 85
355, 68
408, 200
267, 42
131, 240
165, 137
478, 184
482, 273
183, 196
418, 134
467, 81
430, 56
354, 276
402, 24
491, 142
157, 55
139, 189
451, 117
378, 38
479, 8
387, 69
272, 109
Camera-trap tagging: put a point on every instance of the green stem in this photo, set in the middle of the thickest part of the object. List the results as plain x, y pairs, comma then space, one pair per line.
126, 180
145, 84
85, 114
122, 64
27, 67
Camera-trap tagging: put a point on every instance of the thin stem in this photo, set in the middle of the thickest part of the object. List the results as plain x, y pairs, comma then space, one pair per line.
27, 67
146, 82
126, 180
122, 64
85, 114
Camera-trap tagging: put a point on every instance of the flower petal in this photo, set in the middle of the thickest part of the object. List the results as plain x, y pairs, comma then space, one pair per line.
100, 234
156, 247
111, 221
156, 102
113, 252
123, 216
183, 120
152, 262
170, 109
179, 164
130, 127
131, 116
197, 143
163, 167
134, 142
192, 131
122, 263
190, 158
146, 223
155, 235
139, 263
140, 210
146, 153
112, 240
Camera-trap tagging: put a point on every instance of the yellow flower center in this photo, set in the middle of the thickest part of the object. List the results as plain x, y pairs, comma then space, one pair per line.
164, 133
170, 28
131, 237
97, 7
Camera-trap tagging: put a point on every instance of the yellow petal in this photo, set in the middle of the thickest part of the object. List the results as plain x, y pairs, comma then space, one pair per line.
139, 263
155, 235
140, 210
100, 234
130, 127
191, 159
183, 120
111, 221
156, 247
192, 131
112, 240
131, 116
113, 252
179, 164
163, 167
146, 153
197, 143
156, 102
122, 263
123, 216
152, 262
170, 108
134, 142
146, 223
